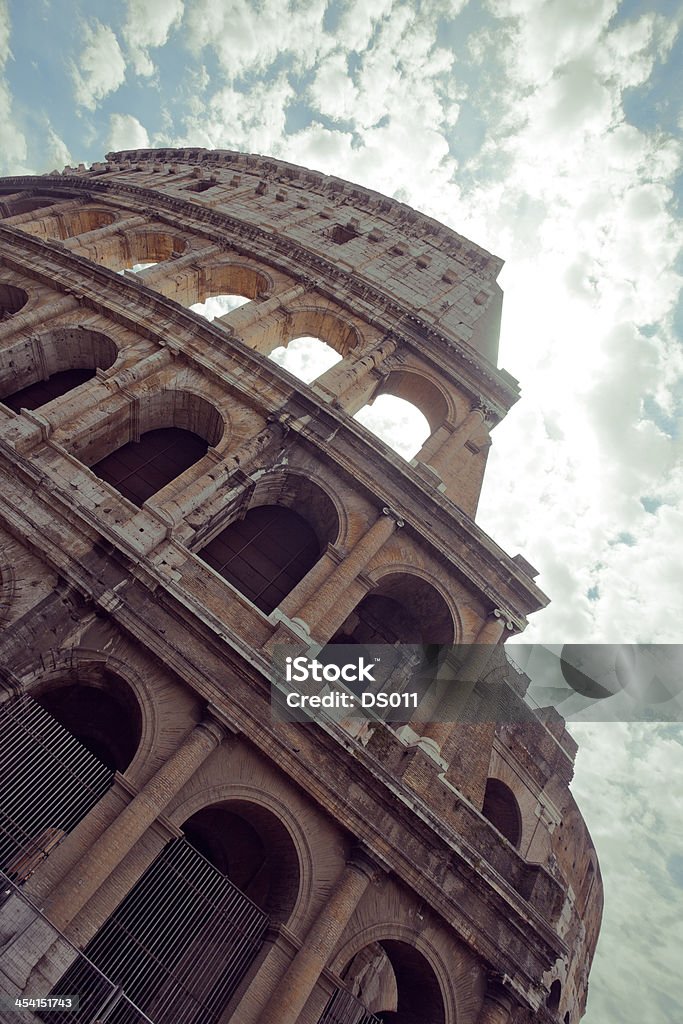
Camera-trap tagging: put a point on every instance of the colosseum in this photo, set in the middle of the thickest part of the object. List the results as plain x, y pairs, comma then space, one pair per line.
175, 508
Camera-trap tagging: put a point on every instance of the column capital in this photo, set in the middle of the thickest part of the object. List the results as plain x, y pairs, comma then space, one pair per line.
218, 724
367, 862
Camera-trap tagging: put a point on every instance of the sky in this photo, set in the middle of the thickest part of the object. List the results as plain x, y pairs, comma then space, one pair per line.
547, 131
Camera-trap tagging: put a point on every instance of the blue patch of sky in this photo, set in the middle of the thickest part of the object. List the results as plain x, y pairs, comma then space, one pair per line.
593, 593
624, 538
668, 423
651, 504
332, 17
657, 102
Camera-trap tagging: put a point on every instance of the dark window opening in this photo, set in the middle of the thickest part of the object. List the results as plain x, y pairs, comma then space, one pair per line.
11, 300
265, 554
44, 391
108, 726
201, 186
500, 807
141, 468
341, 234
553, 1000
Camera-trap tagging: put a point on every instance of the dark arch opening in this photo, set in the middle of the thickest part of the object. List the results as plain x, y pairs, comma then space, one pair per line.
403, 608
103, 714
139, 469
68, 357
265, 554
11, 300
553, 1000
502, 810
250, 846
396, 982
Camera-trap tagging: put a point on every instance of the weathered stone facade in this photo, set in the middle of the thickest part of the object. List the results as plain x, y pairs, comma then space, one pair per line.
435, 872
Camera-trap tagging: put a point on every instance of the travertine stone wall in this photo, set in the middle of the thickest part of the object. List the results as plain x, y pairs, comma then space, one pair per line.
386, 826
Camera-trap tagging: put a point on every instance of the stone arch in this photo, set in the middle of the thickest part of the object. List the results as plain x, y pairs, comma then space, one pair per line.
185, 410
37, 370
554, 996
319, 322
304, 493
233, 278
99, 671
405, 607
12, 299
27, 204
422, 391
423, 980
69, 223
272, 818
502, 810
122, 250
175, 429
277, 539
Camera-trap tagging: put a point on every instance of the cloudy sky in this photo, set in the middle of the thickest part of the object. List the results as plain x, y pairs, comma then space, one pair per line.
548, 132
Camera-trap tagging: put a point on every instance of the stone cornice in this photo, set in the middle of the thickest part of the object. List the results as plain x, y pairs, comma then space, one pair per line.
479, 377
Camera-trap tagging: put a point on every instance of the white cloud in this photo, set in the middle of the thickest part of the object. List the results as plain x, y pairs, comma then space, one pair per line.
126, 132
101, 68
148, 25
245, 37
56, 151
621, 772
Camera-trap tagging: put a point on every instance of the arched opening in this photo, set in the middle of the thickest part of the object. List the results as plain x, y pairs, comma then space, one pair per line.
394, 981
35, 372
396, 422
553, 999
403, 608
184, 937
220, 288
250, 846
139, 469
218, 305
265, 554
305, 358
98, 709
11, 300
123, 251
68, 224
502, 810
60, 759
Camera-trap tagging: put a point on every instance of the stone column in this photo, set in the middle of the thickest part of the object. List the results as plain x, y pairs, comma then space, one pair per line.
262, 325
107, 852
164, 276
449, 450
42, 213
497, 1006
350, 383
453, 702
203, 489
321, 602
39, 317
291, 995
117, 227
